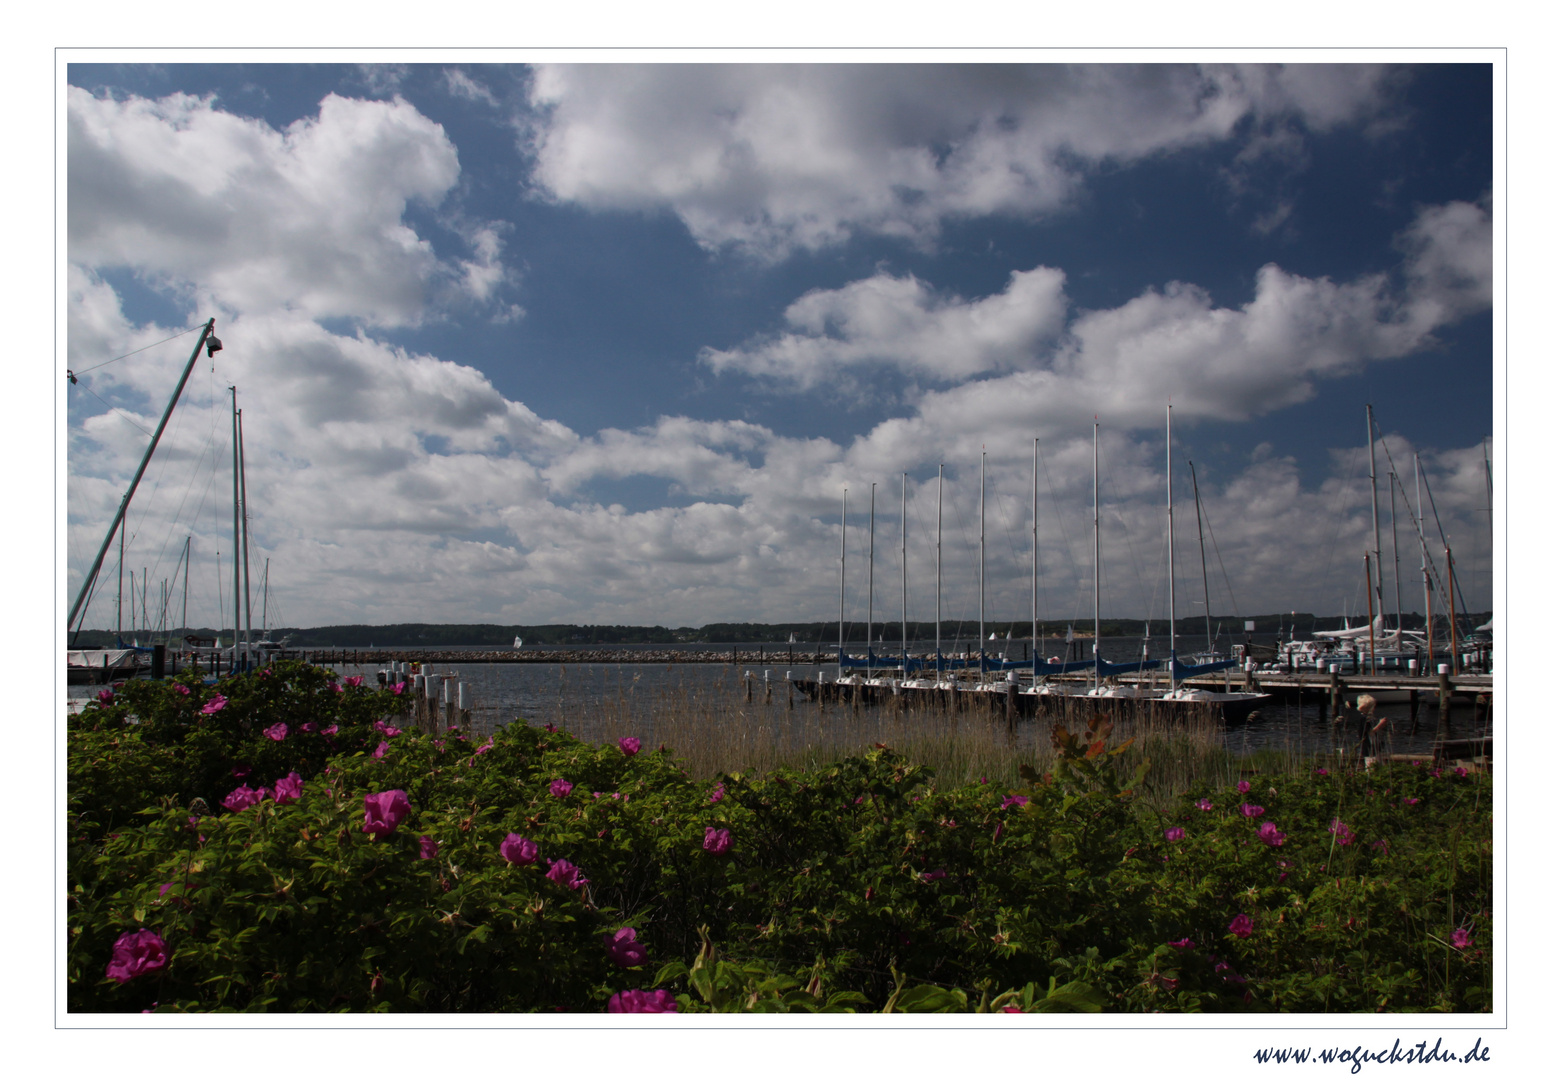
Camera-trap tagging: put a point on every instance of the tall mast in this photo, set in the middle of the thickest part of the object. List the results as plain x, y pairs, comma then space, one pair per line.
1034, 571
119, 604
982, 653
1397, 585
1170, 523
844, 493
1424, 569
904, 582
1096, 553
184, 617
871, 558
243, 494
237, 537
1375, 512
265, 595
124, 504
939, 569
1202, 554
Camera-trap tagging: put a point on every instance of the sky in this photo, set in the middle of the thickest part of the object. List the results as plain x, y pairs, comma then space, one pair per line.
608, 343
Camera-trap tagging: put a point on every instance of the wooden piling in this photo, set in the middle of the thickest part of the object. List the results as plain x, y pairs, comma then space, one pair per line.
1413, 712
1443, 720
1334, 696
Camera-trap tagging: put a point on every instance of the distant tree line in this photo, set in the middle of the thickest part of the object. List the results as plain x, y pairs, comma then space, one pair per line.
812, 634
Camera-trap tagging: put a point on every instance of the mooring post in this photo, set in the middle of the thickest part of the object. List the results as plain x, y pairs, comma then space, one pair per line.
1413, 712
1010, 702
790, 690
1334, 697
1443, 720
747, 684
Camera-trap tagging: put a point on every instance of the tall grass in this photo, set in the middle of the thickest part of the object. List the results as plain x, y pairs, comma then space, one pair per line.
728, 726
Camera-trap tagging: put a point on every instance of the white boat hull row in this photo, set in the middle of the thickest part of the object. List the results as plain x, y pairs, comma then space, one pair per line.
1233, 705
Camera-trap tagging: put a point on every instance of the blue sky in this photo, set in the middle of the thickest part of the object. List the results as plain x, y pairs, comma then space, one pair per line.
604, 343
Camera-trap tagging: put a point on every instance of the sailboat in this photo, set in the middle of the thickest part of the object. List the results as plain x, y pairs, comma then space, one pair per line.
1233, 705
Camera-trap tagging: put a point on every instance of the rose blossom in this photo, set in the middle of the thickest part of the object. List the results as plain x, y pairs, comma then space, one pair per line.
384, 811
566, 873
1014, 800
1243, 787
1252, 810
1268, 833
518, 850
1240, 926
243, 797
289, 789
136, 953
719, 793
215, 705
623, 949
717, 841
1174, 833
276, 732
1461, 939
1344, 834
642, 1001
427, 847
180, 688
629, 745
379, 751
1204, 804
354, 680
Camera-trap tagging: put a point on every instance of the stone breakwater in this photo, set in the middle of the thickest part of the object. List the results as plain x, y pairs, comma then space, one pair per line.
780, 655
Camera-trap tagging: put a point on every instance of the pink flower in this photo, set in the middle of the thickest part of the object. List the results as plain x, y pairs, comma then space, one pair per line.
717, 841
215, 705
354, 680
1204, 804
1321, 772
105, 696
276, 732
1460, 771
330, 730
1461, 939
384, 811
560, 788
1344, 834
642, 1001
1411, 801
162, 890
136, 953
629, 745
1014, 800
1243, 787
180, 688
1268, 833
243, 797
1184, 943
623, 949
485, 747
289, 789
719, 793
306, 727
1251, 810
1174, 833
427, 847
379, 751
566, 873
398, 687
1241, 926
518, 850
934, 875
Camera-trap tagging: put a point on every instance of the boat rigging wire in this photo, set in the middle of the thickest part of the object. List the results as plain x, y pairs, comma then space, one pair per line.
73, 374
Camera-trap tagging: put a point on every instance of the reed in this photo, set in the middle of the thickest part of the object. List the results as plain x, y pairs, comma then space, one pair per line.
717, 728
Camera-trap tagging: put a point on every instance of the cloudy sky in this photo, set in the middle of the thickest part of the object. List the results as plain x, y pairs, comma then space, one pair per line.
605, 343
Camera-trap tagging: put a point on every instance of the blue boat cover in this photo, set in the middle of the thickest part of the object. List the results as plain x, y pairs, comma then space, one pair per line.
1185, 671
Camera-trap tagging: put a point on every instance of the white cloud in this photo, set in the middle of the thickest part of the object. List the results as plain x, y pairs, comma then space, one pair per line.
310, 218
772, 158
461, 85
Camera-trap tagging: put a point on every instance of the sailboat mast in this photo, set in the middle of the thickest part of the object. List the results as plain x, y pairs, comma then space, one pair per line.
1424, 570
1034, 570
983, 565
939, 569
243, 494
1375, 510
184, 616
1397, 584
1202, 554
237, 536
119, 603
904, 581
871, 560
265, 596
1170, 524
1096, 554
844, 494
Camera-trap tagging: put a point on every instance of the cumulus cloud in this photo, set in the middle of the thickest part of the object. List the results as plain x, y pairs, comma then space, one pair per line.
1015, 365
774, 158
310, 218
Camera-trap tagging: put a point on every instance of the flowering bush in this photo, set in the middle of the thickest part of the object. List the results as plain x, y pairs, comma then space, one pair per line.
858, 884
